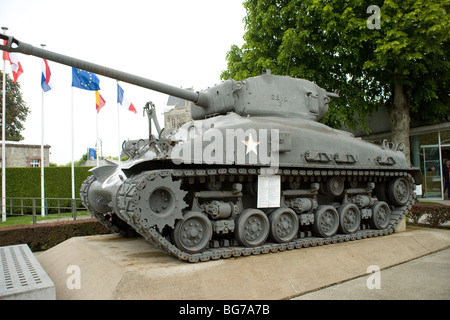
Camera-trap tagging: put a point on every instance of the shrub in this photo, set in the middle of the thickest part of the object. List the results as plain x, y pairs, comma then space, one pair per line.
46, 235
415, 213
438, 215
435, 215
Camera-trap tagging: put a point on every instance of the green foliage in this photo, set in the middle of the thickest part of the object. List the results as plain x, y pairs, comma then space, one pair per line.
28, 219
77, 163
330, 43
26, 183
16, 109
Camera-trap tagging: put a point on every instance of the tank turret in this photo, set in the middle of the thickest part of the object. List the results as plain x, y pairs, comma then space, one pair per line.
253, 173
266, 95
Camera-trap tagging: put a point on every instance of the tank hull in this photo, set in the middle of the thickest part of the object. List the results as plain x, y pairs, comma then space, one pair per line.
283, 142
237, 185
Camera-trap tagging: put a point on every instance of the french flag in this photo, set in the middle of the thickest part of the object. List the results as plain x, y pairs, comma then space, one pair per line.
122, 100
45, 78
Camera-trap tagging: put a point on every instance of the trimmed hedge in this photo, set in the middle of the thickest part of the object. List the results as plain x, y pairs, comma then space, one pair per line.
43, 236
26, 183
434, 215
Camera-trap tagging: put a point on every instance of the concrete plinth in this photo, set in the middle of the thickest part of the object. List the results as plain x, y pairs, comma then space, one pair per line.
112, 267
22, 277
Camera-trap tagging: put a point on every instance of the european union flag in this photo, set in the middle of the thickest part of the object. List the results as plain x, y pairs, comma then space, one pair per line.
85, 80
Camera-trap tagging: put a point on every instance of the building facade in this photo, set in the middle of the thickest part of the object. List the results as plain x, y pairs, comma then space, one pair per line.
20, 154
430, 148
179, 114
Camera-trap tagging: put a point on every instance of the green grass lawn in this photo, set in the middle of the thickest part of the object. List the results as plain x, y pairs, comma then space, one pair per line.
16, 220
430, 203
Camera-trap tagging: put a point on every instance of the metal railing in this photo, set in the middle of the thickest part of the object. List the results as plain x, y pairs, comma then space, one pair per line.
33, 206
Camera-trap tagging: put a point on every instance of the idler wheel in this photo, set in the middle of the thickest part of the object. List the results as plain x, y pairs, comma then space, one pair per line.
349, 218
105, 216
252, 228
326, 221
399, 191
381, 215
193, 233
91, 200
283, 225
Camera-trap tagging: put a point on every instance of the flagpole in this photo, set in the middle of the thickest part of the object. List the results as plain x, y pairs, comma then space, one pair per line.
3, 138
96, 140
118, 127
72, 133
42, 153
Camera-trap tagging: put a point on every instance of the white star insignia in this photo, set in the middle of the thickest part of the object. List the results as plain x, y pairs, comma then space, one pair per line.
251, 145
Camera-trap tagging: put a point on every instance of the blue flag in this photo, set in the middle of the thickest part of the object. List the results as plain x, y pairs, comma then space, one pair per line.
85, 80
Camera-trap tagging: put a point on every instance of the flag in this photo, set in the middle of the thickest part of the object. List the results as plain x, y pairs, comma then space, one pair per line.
99, 101
45, 78
16, 67
123, 101
85, 80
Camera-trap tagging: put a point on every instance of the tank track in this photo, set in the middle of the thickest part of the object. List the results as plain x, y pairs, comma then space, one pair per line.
110, 221
223, 250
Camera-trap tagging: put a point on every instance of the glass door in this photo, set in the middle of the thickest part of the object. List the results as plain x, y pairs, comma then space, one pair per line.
445, 154
431, 166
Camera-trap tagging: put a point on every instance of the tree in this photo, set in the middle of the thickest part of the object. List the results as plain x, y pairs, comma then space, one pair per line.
77, 163
391, 53
16, 110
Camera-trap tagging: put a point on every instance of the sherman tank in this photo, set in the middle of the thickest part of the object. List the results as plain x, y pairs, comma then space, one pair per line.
255, 172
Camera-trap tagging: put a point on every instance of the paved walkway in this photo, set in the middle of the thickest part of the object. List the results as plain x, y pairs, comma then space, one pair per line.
425, 278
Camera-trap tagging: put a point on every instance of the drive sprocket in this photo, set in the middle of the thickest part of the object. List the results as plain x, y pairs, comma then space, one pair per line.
158, 201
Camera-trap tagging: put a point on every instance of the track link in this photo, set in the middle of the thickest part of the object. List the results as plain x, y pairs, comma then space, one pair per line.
110, 221
220, 251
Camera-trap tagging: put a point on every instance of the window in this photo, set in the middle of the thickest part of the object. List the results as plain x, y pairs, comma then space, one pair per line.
35, 162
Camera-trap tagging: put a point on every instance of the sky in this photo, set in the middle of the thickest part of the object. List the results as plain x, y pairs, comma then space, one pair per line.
178, 42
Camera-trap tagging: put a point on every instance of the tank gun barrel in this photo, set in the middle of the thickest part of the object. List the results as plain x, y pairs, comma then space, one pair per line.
266, 95
14, 45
